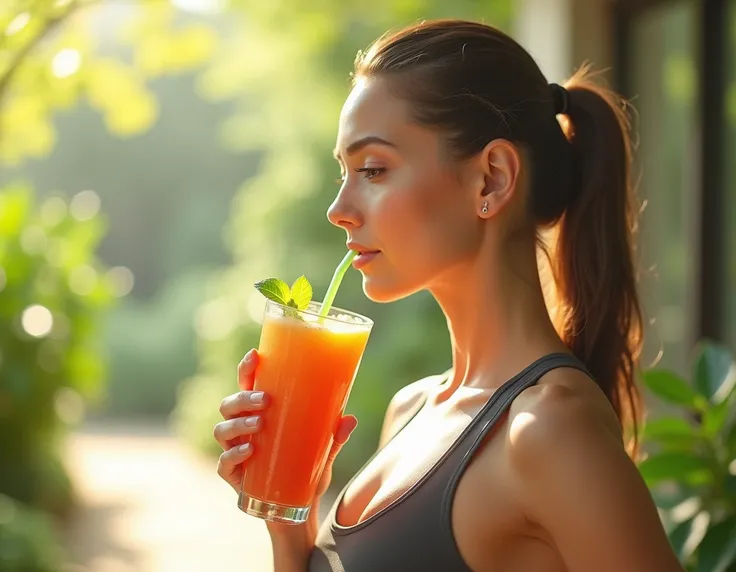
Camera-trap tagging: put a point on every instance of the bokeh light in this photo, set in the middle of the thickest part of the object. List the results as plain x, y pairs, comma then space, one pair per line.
66, 63
37, 321
85, 205
82, 280
121, 280
53, 211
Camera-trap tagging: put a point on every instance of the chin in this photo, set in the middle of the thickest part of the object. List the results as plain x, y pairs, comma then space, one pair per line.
382, 292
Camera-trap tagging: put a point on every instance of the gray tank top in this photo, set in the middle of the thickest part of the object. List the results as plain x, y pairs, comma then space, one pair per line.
414, 533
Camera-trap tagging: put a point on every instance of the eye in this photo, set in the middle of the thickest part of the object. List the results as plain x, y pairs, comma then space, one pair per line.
370, 172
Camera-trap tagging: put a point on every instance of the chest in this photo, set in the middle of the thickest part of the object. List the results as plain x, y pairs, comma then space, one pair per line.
487, 524
400, 465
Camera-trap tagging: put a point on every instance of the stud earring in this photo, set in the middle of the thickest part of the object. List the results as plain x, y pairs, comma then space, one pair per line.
484, 210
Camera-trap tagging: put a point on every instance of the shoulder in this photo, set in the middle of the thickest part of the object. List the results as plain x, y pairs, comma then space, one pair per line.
571, 475
405, 401
565, 409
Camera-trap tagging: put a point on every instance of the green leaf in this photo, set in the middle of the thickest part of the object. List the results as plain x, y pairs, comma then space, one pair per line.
676, 466
679, 536
668, 498
731, 441
301, 292
671, 432
715, 417
672, 388
712, 367
717, 551
275, 290
729, 486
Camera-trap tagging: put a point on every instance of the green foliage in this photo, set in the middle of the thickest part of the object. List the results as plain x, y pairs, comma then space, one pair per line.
292, 94
692, 466
50, 57
27, 539
52, 291
152, 347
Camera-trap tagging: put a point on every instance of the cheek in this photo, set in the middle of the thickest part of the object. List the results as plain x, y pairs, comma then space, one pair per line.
423, 228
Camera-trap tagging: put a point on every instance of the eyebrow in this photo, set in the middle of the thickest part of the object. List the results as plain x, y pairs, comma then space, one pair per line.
356, 146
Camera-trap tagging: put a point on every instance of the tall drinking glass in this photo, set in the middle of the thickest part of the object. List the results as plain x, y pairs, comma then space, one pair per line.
307, 367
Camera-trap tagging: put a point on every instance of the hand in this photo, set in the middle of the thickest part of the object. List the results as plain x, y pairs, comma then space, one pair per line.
241, 413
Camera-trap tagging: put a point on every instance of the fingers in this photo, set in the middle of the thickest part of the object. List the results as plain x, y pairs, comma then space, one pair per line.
246, 370
344, 430
243, 402
230, 465
226, 431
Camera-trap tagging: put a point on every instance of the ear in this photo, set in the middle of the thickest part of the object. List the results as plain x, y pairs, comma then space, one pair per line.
500, 163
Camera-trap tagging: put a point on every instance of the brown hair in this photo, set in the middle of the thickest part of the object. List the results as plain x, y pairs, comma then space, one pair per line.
474, 84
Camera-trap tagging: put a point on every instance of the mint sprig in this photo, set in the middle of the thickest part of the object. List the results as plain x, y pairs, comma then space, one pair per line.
301, 292
298, 296
274, 289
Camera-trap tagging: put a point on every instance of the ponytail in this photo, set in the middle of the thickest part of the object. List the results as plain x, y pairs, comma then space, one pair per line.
598, 314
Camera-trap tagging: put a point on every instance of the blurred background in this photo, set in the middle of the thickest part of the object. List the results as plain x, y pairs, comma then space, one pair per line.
159, 157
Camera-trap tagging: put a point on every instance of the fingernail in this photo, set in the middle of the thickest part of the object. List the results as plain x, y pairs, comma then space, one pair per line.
249, 356
251, 421
244, 449
256, 397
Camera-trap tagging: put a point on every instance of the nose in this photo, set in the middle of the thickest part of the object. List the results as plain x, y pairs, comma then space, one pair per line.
343, 213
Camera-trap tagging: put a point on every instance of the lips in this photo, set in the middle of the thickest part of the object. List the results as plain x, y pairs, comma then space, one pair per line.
364, 258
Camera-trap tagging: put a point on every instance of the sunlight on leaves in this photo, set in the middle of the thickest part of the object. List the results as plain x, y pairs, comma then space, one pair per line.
129, 108
176, 50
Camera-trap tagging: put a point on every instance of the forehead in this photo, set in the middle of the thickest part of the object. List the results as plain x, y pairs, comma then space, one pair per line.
371, 109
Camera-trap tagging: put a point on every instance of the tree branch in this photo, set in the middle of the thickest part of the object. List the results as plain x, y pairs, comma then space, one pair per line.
23, 53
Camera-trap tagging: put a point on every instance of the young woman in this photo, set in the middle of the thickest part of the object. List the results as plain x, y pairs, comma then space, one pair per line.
460, 164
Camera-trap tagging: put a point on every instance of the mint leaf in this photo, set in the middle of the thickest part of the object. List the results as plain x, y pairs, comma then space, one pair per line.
292, 311
275, 290
301, 292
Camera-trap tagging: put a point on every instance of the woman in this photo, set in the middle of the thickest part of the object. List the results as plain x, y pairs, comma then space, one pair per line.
456, 154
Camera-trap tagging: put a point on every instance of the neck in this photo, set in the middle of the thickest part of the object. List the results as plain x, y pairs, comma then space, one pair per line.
498, 319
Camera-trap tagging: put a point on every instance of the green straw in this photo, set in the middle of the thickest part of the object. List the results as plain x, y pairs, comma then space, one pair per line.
340, 271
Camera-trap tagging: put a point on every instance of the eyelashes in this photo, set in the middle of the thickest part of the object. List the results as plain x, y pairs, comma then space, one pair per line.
368, 173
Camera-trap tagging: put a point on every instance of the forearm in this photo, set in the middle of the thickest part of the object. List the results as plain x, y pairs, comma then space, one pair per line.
292, 545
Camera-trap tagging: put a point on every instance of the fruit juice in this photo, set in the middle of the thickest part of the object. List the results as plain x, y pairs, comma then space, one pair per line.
307, 367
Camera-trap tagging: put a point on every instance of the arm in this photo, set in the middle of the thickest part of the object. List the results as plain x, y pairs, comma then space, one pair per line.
575, 479
292, 545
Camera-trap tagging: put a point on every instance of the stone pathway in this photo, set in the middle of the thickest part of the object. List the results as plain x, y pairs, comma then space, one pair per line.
151, 505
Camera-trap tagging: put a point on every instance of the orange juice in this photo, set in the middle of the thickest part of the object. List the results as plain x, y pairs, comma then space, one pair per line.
307, 367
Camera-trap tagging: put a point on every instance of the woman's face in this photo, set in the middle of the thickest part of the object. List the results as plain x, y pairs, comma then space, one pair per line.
401, 196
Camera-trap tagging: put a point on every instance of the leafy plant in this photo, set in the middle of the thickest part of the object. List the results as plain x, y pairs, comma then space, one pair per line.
52, 292
49, 60
691, 467
28, 541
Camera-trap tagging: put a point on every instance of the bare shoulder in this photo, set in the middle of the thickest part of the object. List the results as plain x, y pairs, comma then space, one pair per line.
572, 477
404, 401
563, 407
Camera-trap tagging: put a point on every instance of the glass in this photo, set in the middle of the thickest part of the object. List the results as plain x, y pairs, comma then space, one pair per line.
307, 367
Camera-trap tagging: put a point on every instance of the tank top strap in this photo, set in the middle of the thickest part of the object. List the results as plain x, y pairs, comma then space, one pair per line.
496, 406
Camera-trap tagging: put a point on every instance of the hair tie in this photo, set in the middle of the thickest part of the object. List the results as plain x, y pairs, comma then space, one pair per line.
560, 98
